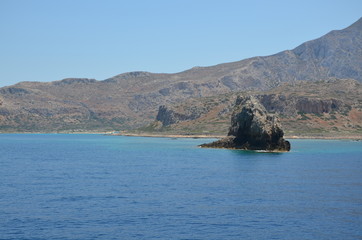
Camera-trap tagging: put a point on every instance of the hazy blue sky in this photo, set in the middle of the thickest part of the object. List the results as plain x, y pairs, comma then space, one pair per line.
46, 40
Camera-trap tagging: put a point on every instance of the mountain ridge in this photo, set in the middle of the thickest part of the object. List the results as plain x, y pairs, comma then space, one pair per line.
130, 100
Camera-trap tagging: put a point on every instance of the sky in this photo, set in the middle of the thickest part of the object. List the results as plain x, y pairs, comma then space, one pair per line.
48, 40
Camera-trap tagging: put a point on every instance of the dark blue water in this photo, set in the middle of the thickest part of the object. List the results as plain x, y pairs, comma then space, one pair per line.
101, 187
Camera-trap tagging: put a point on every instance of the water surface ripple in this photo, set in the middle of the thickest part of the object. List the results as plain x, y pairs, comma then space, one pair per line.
56, 186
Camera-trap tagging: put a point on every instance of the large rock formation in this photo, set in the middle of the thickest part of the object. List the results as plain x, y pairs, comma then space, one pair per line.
252, 128
168, 116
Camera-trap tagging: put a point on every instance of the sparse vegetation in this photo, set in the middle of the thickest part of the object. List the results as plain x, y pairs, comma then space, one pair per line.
303, 116
131, 100
217, 113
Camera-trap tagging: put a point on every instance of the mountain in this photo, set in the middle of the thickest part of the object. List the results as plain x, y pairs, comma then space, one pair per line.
327, 108
132, 99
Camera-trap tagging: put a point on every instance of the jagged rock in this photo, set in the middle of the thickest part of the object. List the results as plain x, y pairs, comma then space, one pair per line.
252, 128
168, 116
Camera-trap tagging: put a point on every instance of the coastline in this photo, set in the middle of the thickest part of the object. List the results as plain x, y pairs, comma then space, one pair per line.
350, 137
167, 135
128, 134
357, 138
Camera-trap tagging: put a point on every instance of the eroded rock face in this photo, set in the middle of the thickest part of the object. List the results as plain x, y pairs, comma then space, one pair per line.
252, 128
168, 116
291, 105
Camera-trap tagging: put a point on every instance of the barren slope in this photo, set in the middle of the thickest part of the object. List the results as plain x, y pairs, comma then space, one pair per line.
131, 100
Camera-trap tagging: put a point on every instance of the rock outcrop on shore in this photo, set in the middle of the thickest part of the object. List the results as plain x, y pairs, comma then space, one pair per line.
252, 128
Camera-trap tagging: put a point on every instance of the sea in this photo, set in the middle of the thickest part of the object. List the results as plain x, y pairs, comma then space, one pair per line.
70, 186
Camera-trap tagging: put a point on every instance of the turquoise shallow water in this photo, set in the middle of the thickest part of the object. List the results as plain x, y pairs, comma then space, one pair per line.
56, 186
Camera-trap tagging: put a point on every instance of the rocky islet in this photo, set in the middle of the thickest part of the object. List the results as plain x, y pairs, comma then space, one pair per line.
252, 128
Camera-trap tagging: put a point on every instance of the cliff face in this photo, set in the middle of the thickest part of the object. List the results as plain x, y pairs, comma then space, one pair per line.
291, 105
318, 106
252, 128
168, 116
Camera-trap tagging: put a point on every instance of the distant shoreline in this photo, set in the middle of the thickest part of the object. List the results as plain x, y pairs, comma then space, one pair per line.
325, 137
350, 137
222, 136
167, 135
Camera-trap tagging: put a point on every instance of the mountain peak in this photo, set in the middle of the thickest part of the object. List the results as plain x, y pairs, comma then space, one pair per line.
357, 25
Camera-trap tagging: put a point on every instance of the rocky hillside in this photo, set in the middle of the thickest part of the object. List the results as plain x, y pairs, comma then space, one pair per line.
323, 108
131, 100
